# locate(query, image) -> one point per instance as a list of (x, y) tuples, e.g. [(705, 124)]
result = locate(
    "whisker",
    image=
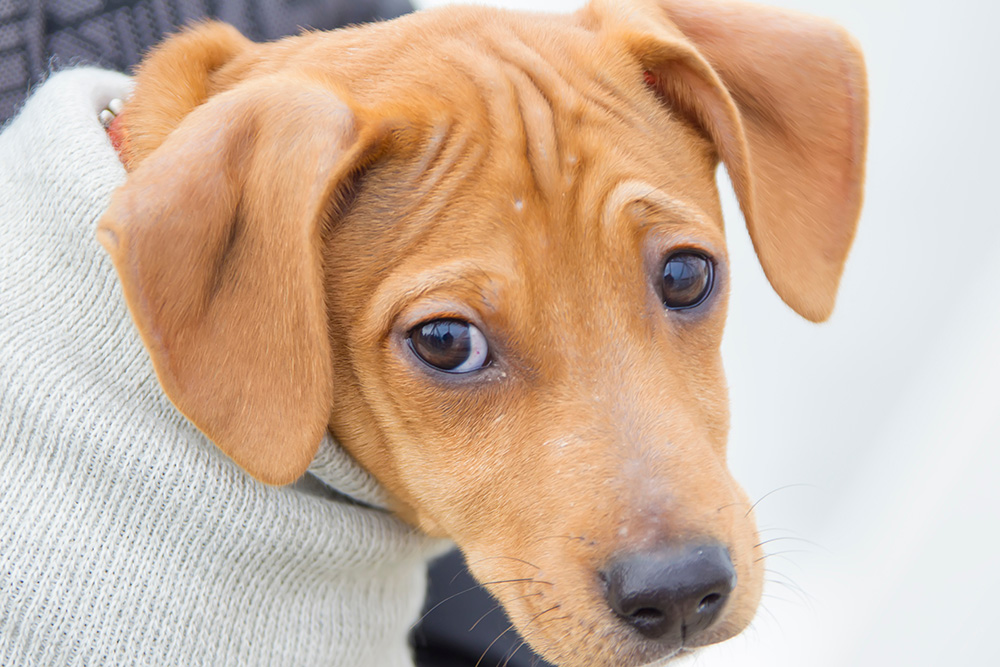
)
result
[(513, 581), (771, 614), (510, 655), (776, 597), (472, 588), (781, 553), (775, 529), (723, 507), (519, 560), (450, 597), (791, 538), (495, 607), (752, 630), (772, 492), (521, 597), (509, 628), (458, 573), (526, 626), (533, 618), (798, 591), (787, 578), (503, 603)]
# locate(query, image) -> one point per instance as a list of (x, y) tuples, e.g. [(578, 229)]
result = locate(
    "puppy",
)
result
[(484, 250)]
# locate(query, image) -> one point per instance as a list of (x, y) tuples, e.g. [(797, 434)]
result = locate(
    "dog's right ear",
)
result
[(174, 78), (784, 99), (217, 240)]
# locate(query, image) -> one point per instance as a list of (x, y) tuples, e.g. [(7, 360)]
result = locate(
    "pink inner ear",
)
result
[(649, 78), (116, 134)]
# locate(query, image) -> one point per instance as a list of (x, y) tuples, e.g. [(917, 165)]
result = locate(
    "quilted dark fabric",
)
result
[(37, 36)]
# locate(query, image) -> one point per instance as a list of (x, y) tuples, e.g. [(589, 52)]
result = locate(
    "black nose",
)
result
[(673, 593)]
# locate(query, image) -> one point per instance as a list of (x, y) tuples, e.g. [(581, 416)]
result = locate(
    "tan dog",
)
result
[(485, 250)]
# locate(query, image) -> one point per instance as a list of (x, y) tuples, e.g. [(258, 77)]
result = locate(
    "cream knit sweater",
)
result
[(126, 537)]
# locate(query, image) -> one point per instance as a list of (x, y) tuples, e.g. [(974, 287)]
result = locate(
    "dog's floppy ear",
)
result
[(784, 98), (216, 237), (175, 77)]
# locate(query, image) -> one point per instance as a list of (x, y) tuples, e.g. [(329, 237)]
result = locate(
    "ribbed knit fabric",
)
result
[(126, 537)]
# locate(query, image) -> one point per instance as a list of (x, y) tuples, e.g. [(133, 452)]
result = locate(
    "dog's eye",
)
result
[(452, 346), (687, 280)]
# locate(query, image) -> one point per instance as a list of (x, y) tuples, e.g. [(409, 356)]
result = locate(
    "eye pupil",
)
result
[(449, 345), (446, 341), (687, 280)]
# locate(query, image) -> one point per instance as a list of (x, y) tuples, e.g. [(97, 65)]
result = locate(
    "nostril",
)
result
[(647, 620), (671, 592), (647, 614), (709, 602)]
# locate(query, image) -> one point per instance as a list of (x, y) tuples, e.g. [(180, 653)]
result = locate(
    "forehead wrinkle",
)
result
[(634, 190), (416, 192), (445, 147), (521, 93), (451, 156), (609, 98), (498, 127), (538, 68), (542, 93), (541, 145), (488, 102)]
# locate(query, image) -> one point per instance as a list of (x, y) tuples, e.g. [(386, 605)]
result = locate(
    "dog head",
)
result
[(485, 250)]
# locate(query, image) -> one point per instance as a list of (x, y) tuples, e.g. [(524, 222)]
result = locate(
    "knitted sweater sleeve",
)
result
[(125, 536)]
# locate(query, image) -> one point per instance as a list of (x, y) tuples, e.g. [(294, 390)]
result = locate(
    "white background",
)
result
[(888, 416)]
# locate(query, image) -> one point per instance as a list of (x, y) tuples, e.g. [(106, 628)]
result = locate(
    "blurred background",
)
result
[(877, 434)]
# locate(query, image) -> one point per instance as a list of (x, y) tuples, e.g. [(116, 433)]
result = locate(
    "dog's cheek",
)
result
[(709, 398)]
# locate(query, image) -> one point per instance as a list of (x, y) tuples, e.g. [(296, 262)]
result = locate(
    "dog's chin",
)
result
[(676, 653), (627, 652), (610, 644), (679, 653), (642, 659)]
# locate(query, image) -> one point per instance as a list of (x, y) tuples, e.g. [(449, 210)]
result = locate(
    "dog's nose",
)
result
[(673, 593)]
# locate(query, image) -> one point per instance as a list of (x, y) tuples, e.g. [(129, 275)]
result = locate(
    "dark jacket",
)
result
[(37, 36)]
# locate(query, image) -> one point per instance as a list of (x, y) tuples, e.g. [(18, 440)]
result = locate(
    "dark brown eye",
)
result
[(687, 280), (452, 346)]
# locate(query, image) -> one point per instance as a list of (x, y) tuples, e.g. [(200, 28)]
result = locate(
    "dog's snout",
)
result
[(673, 593)]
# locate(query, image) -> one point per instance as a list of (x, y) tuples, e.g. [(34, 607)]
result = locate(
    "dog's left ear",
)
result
[(217, 239), (783, 96)]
